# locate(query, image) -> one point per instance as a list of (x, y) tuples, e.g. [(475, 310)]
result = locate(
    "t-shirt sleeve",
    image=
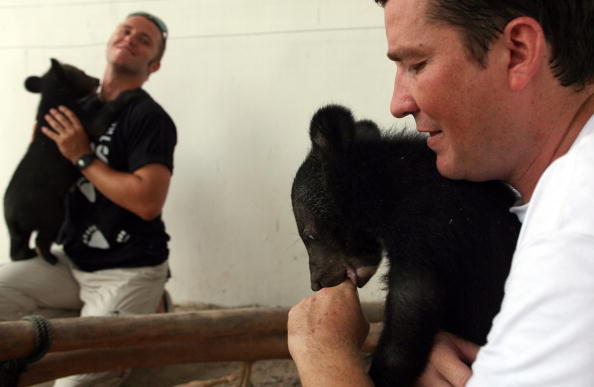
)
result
[(152, 139)]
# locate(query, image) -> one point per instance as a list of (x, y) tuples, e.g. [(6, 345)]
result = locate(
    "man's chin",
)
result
[(124, 67), (457, 171), (447, 168)]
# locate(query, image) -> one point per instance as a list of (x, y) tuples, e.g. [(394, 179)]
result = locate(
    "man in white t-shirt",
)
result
[(505, 91)]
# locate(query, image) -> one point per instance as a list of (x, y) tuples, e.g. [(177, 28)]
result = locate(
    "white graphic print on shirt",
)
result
[(102, 150), (93, 237)]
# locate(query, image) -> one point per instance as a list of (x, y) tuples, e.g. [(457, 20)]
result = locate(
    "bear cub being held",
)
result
[(34, 198), (360, 194)]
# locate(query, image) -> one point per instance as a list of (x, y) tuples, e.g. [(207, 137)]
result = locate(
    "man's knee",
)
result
[(14, 304)]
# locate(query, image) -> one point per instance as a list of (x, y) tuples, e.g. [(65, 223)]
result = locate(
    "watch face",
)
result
[(84, 161)]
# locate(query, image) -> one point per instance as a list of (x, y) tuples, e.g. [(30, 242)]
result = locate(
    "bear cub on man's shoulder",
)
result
[(449, 243)]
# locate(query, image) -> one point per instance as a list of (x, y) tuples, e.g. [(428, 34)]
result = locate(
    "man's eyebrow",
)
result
[(397, 55), (144, 34)]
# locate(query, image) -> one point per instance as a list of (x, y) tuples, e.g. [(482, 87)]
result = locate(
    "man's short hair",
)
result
[(162, 28), (568, 26)]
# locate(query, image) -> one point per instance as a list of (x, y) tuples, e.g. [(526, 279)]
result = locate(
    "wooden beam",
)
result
[(95, 344), (238, 348), (16, 337), (59, 364)]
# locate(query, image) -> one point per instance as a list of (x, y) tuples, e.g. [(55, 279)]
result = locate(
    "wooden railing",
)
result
[(94, 344)]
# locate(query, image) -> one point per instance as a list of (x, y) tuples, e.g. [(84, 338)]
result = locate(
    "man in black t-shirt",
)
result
[(114, 258), (99, 234)]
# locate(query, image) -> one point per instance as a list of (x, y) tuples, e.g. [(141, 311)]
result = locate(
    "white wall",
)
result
[(241, 79)]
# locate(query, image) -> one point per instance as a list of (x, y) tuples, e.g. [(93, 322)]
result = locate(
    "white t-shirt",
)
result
[(544, 334)]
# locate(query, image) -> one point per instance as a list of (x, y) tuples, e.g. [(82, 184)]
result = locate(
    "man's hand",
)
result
[(142, 192), (449, 362), (68, 133), (325, 333)]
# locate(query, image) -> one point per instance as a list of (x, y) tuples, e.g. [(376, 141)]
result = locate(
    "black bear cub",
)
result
[(360, 194), (35, 194), (34, 198)]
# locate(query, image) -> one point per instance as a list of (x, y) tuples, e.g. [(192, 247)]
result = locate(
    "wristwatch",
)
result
[(85, 160)]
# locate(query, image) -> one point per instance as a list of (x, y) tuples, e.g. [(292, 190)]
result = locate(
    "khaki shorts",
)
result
[(36, 287)]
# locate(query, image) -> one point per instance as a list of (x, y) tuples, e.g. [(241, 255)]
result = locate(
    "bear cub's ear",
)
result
[(57, 69), (33, 84), (332, 130), (367, 130)]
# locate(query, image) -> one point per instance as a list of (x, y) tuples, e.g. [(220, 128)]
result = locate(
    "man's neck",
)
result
[(559, 145), (583, 114), (115, 82)]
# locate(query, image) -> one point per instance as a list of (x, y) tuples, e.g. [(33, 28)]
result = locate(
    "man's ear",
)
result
[(525, 41), (154, 66)]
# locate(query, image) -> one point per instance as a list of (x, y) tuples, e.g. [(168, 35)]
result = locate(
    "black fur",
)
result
[(34, 198), (449, 243)]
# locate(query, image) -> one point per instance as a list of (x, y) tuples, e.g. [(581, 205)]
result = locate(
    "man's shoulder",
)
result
[(144, 101), (144, 107)]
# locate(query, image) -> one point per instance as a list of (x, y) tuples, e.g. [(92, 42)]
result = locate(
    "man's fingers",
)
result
[(347, 283), (344, 286), (451, 356), (456, 372), (432, 378), (57, 117), (54, 123), (50, 133), (466, 350), (70, 116)]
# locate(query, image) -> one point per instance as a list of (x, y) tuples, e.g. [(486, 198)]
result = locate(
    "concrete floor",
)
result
[(264, 373), (281, 373)]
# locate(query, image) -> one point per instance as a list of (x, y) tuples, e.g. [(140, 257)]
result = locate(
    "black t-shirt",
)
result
[(98, 234)]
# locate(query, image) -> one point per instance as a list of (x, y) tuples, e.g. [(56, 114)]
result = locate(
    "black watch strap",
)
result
[(84, 161)]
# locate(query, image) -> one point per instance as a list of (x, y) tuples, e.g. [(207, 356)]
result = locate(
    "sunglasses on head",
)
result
[(158, 22)]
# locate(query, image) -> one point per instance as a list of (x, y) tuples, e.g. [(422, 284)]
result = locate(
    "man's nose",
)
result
[(131, 39), (403, 102)]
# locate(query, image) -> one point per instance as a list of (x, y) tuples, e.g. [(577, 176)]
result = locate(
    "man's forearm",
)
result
[(142, 192)]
